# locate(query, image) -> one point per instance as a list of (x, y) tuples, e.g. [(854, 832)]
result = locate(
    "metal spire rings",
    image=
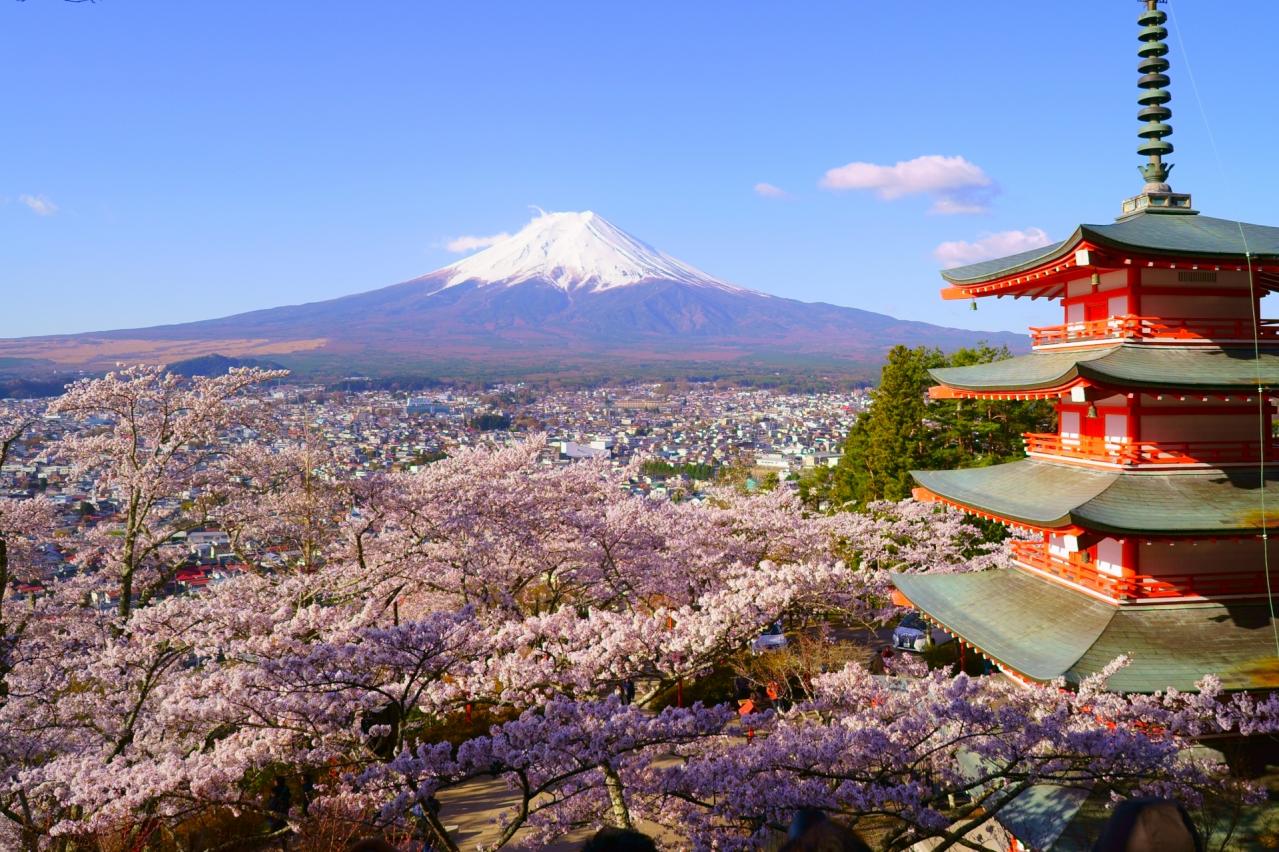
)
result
[(1154, 95)]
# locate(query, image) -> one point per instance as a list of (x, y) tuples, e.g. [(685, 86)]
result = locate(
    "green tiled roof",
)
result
[(1045, 494), (1123, 365), (1043, 817), (1046, 631), (1148, 233), (1063, 819), (1036, 493), (977, 272), (1014, 618)]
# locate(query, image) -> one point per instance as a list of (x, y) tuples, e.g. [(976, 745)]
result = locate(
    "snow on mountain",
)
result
[(570, 288), (576, 252)]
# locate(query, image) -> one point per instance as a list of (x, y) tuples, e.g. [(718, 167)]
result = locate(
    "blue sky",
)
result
[(168, 161)]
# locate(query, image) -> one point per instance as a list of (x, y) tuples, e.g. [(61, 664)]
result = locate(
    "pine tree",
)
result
[(905, 431)]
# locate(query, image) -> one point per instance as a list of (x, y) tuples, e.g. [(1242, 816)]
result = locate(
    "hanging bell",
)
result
[(973, 304)]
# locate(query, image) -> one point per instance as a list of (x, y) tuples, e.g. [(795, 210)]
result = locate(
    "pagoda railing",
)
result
[(1133, 327), (1077, 569), (1148, 453)]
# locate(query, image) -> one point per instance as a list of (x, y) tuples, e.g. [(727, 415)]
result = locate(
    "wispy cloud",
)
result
[(950, 205), (39, 205), (955, 184), (1001, 244), (767, 190), (471, 243)]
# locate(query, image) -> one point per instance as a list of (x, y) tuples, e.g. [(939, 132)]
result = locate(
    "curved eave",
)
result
[(1065, 498), (1152, 239), (1039, 372), (1040, 498), (1024, 624), (1042, 631), (1054, 392), (949, 377), (925, 495), (1159, 368), (1014, 264)]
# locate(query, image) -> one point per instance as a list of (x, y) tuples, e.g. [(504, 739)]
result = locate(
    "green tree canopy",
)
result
[(904, 430)]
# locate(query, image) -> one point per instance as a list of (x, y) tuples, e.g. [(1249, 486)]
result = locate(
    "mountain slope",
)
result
[(568, 286)]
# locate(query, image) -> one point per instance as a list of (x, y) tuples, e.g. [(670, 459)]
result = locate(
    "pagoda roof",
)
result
[(1144, 234), (1045, 631), (1048, 495), (1169, 368)]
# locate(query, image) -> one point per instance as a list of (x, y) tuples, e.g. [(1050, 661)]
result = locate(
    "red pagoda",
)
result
[(1151, 503)]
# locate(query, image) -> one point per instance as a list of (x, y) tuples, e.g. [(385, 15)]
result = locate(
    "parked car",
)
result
[(913, 634), (772, 639)]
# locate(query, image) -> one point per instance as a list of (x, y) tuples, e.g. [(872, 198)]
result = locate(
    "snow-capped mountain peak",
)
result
[(575, 251)]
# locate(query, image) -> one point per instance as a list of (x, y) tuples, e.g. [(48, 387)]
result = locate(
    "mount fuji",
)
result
[(568, 291)]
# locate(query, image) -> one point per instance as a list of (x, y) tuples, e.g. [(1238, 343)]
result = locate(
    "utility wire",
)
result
[(1263, 421)]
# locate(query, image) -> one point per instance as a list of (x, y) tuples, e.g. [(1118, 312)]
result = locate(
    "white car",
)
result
[(913, 634), (772, 639)]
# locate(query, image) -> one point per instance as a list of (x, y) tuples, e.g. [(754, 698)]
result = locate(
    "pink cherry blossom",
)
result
[(537, 595)]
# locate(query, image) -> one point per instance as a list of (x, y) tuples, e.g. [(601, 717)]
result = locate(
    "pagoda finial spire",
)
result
[(1157, 195), (1154, 96)]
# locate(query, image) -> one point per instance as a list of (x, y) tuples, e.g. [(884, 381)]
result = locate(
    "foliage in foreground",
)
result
[(532, 595)]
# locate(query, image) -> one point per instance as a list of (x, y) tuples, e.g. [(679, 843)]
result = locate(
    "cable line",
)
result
[(1263, 421)]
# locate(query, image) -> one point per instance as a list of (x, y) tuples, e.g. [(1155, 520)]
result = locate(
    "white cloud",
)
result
[(948, 205), (1002, 244), (39, 205), (954, 184), (767, 190), (471, 243)]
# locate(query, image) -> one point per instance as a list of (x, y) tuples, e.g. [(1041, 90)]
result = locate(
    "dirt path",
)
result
[(471, 812)]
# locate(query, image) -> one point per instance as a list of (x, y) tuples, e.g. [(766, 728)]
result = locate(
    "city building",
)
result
[(1151, 504), (424, 405)]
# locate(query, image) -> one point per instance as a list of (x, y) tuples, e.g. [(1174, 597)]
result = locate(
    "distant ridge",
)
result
[(569, 292), (217, 365)]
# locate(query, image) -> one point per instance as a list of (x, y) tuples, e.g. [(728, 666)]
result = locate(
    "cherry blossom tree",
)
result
[(939, 757), (81, 687), (24, 525), (544, 598), (160, 453), (294, 496)]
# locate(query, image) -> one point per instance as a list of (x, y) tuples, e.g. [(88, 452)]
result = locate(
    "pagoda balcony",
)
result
[(1152, 454), (1130, 327), (1077, 571)]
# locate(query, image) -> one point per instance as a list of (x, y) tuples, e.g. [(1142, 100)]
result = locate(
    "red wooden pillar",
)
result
[(1130, 555)]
